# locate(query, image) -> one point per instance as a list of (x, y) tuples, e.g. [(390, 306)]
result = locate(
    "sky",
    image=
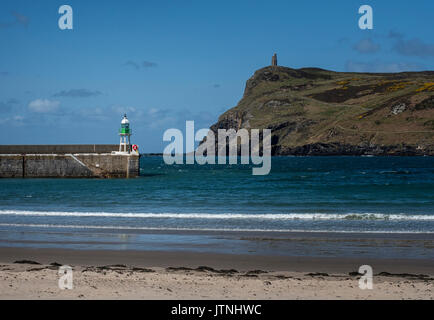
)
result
[(164, 62)]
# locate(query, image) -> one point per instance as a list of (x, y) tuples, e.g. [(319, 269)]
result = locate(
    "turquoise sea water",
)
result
[(325, 194)]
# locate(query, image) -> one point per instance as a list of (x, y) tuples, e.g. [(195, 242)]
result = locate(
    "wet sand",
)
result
[(27, 273)]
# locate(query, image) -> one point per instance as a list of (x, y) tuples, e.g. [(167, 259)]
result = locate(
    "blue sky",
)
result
[(164, 62)]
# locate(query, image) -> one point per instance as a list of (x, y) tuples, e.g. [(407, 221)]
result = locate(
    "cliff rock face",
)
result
[(319, 112)]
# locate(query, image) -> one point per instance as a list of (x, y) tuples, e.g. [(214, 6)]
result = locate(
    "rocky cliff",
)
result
[(318, 112)]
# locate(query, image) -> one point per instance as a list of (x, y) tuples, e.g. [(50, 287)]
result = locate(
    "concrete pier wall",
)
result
[(11, 166), (58, 148), (68, 165)]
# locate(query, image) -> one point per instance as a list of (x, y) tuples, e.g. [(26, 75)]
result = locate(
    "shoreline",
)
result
[(243, 262), (317, 155), (105, 274), (265, 244)]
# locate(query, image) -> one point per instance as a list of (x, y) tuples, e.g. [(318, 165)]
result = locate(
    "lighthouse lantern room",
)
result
[(125, 133)]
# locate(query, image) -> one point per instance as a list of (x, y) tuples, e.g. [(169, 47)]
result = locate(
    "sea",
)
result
[(224, 208)]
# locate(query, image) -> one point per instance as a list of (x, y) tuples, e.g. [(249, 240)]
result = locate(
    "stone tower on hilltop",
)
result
[(274, 60)]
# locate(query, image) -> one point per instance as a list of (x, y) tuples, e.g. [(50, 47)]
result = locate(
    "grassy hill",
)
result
[(318, 112)]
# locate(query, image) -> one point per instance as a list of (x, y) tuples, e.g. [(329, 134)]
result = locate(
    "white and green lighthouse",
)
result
[(125, 133)]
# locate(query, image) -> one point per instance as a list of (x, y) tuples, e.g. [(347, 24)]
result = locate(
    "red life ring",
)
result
[(135, 147)]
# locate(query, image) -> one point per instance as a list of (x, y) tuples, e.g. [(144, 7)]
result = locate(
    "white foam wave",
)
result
[(207, 229), (226, 216)]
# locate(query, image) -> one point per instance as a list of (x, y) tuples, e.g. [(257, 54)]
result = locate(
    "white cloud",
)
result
[(367, 46), (14, 120), (153, 111), (123, 109), (414, 47), (43, 105), (381, 66)]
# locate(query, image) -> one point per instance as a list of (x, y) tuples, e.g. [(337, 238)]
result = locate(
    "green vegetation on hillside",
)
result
[(315, 111)]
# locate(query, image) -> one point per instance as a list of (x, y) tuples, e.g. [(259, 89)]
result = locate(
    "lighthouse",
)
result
[(125, 133)]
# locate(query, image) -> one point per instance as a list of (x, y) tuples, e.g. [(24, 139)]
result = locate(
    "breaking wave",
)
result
[(227, 216)]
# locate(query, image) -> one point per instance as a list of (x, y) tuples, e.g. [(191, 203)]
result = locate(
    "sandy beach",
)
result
[(33, 274)]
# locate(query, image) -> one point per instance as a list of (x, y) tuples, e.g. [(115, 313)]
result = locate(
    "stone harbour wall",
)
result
[(69, 165)]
